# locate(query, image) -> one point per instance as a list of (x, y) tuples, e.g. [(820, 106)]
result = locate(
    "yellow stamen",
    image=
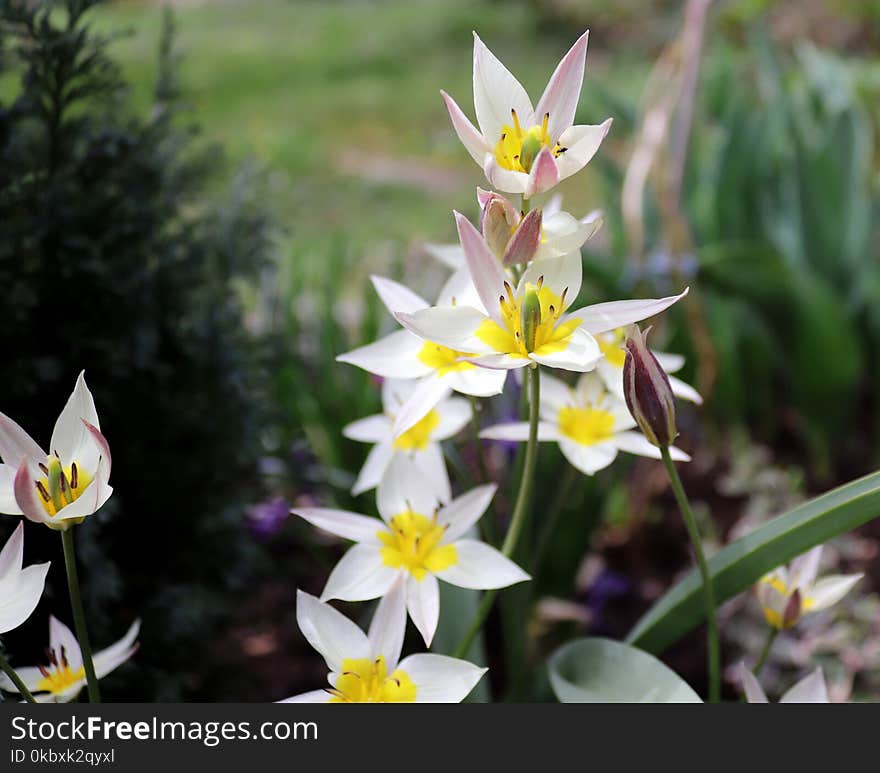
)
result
[(367, 681), (611, 345), (417, 437), (443, 359), (413, 542), (509, 148), (587, 425), (59, 679), (60, 486)]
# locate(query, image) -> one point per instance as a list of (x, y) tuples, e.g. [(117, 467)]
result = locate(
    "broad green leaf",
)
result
[(598, 670), (740, 564)]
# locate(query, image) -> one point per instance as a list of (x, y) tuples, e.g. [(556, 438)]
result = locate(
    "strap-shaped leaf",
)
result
[(597, 670), (742, 563)]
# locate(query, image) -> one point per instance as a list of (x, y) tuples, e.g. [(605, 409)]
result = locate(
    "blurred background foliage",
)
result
[(193, 218)]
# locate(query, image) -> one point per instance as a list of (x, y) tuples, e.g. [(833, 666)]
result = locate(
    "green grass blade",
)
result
[(741, 563)]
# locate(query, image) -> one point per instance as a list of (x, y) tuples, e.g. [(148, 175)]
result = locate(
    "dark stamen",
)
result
[(74, 475), (43, 493), (43, 468)]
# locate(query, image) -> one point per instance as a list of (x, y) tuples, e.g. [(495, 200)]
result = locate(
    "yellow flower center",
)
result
[(443, 359), (549, 335), (611, 344), (59, 678), (417, 437), (367, 681), (586, 426), (412, 541), (60, 486), (775, 617), (517, 148)]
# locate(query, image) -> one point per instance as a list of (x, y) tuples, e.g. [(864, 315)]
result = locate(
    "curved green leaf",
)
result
[(742, 563), (605, 671)]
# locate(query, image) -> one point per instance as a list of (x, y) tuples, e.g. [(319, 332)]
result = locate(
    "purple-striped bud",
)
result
[(647, 391)]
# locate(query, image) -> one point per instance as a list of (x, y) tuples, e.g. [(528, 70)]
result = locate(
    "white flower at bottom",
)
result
[(416, 541), (810, 689), (62, 679), (365, 668), (788, 593), (20, 589), (590, 424), (421, 442)]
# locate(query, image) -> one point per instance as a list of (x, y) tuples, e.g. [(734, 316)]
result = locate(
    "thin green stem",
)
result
[(16, 680), (488, 521), (79, 615), (708, 591), (520, 510), (765, 653)]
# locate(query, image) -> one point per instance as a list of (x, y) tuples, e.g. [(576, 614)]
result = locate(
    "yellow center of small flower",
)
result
[(412, 541), (611, 344), (60, 486), (545, 334), (517, 148), (586, 426), (59, 679), (417, 437), (775, 617), (367, 681), (443, 359)]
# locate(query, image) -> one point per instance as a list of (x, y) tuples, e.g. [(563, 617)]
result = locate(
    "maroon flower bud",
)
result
[(647, 391), (524, 243)]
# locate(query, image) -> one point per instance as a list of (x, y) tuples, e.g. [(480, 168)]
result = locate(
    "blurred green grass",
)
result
[(340, 103)]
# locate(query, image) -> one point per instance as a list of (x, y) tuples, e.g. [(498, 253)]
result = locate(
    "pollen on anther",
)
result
[(43, 493)]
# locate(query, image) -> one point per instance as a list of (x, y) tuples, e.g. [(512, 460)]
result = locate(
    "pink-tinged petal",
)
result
[(12, 555), (805, 568), (454, 327), (394, 356), (103, 447), (71, 434), (752, 688), (464, 511), (486, 270), (471, 138), (62, 638), (581, 144), (581, 353), (26, 495), (429, 392), (563, 91), (351, 526), (441, 679), (360, 575), (423, 604), (603, 317), (89, 501), (371, 429), (588, 459), (396, 296), (524, 243), (481, 567), (811, 689), (18, 607), (506, 180), (15, 443), (333, 636), (497, 361), (388, 625), (543, 175), (496, 93)]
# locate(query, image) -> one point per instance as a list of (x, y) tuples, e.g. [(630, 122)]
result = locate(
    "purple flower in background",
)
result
[(266, 518), (607, 586)]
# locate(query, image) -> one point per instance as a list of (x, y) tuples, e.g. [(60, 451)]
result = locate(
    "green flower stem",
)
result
[(768, 645), (520, 510), (708, 591), (79, 615), (16, 680), (488, 521)]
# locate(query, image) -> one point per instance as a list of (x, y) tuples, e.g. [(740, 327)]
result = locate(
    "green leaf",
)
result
[(605, 671), (740, 564)]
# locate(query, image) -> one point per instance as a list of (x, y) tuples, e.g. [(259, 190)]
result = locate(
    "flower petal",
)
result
[(450, 255), (429, 392), (581, 143), (394, 356), (455, 414), (471, 138), (441, 679), (62, 638), (374, 468), (360, 575), (602, 317), (503, 362), (403, 487), (389, 624), (588, 459), (26, 496), (313, 696), (518, 431), (810, 689), (459, 289), (116, 654), (485, 269), (330, 633), (753, 690), (454, 327), (70, 434), (351, 526), (543, 175), (555, 393), (464, 511), (481, 567), (804, 568), (637, 443), (580, 352), (830, 590), (17, 606), (479, 382), (507, 180), (684, 391), (560, 97), (371, 429), (561, 274), (16, 444), (396, 296), (8, 505), (12, 555), (423, 603), (432, 474), (496, 93)]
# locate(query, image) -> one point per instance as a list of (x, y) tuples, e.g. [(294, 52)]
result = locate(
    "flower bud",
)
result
[(647, 391), (531, 316), (524, 244), (499, 219)]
